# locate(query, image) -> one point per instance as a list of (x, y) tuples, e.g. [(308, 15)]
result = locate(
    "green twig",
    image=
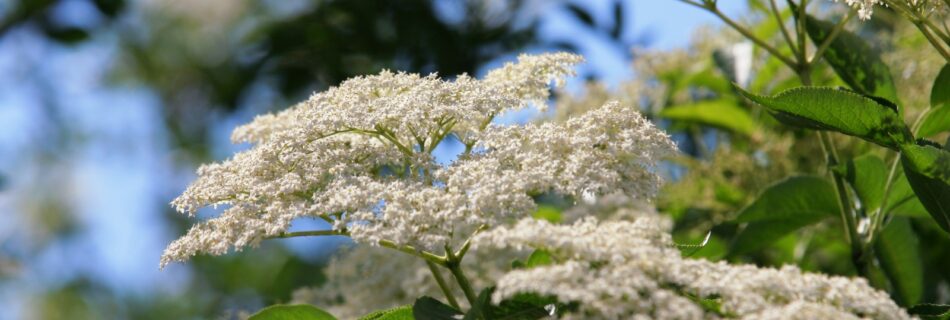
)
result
[(454, 264), (443, 285)]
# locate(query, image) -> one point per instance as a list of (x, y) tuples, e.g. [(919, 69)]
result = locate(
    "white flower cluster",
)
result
[(363, 279), (631, 270), (866, 7), (359, 157)]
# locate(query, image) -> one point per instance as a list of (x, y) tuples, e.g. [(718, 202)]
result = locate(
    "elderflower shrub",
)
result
[(359, 156), (630, 269)]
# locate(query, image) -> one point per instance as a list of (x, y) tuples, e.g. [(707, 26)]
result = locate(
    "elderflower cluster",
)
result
[(359, 156), (363, 279), (866, 7), (631, 270)]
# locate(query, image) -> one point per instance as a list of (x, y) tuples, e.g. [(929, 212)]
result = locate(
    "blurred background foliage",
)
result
[(208, 65)]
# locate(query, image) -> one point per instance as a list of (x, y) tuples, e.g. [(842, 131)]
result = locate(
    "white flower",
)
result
[(359, 157), (630, 269)]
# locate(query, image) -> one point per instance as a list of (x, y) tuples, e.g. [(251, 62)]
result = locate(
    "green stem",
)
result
[(427, 256), (745, 32), (781, 25), (443, 285), (800, 30), (454, 264)]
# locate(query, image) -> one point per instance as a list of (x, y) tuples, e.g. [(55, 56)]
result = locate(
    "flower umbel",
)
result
[(359, 157)]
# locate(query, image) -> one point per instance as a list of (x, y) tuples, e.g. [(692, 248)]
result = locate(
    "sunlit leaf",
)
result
[(838, 110), (782, 208), (720, 113), (397, 313), (291, 312)]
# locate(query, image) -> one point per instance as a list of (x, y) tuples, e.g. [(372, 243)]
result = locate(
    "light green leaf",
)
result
[(291, 312), (838, 110), (898, 251), (720, 113), (867, 174), (538, 258), (854, 60), (550, 213), (782, 208), (397, 313), (793, 197)]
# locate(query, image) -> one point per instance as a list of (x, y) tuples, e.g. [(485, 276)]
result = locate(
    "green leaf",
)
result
[(538, 258), (838, 110), (793, 197), (935, 121), (720, 113), (510, 309), (291, 312), (853, 60), (898, 251), (928, 170), (397, 313), (928, 159), (550, 213), (931, 311), (938, 119), (782, 208), (940, 92), (902, 201), (427, 308), (867, 174)]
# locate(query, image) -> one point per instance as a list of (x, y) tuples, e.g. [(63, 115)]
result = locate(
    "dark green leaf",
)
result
[(930, 310), (853, 60), (581, 14), (538, 258), (70, 35), (291, 312), (938, 119), (720, 113), (867, 174), (397, 313), (898, 251), (927, 169), (839, 110), (782, 208), (940, 92), (516, 308), (427, 308)]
